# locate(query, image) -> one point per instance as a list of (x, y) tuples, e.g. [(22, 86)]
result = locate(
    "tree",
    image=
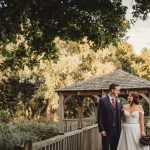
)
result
[(142, 67), (125, 57), (76, 62), (31, 26), (17, 97), (141, 9)]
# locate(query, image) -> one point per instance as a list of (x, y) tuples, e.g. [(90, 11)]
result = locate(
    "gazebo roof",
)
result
[(124, 79)]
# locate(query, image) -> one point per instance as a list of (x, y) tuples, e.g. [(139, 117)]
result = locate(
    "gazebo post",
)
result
[(80, 112), (149, 101), (103, 93), (61, 114), (96, 104)]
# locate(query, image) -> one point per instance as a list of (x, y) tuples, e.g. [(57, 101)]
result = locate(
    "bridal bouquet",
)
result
[(145, 140)]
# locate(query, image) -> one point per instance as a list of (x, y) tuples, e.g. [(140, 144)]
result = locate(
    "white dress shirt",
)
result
[(110, 98)]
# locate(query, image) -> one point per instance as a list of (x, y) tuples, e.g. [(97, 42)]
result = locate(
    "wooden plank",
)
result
[(80, 113), (59, 145), (28, 145), (56, 145), (76, 138), (71, 142), (149, 101), (61, 113), (84, 93), (66, 139), (53, 147), (68, 143)]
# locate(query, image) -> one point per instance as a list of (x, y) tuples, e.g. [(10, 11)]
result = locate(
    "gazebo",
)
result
[(98, 87)]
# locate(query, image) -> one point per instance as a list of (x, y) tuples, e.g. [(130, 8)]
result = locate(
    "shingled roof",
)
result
[(124, 79)]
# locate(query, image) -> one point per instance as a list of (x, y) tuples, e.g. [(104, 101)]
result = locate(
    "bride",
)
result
[(133, 127)]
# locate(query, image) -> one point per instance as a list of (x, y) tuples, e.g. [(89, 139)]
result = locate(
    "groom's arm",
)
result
[(100, 115)]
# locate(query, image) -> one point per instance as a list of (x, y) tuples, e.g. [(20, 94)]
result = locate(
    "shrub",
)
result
[(16, 134), (4, 116)]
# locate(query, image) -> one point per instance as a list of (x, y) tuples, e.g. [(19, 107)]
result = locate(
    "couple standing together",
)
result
[(110, 112)]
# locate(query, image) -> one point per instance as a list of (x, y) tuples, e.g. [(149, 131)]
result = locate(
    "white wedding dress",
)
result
[(130, 133)]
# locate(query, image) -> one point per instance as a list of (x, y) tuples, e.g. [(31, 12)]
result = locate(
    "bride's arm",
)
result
[(141, 120)]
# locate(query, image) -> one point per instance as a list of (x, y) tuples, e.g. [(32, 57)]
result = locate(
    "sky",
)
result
[(139, 34)]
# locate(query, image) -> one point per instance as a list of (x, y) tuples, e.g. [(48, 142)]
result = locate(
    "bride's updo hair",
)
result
[(135, 96)]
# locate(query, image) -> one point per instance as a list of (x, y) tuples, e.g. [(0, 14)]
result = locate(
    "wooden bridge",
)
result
[(86, 138), (82, 133)]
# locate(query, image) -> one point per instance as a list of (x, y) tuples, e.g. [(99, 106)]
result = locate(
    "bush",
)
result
[(4, 116), (16, 134)]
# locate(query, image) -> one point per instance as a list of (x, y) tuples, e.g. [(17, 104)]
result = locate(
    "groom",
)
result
[(109, 121)]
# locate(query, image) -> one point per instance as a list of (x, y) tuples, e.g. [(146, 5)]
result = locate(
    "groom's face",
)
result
[(116, 91)]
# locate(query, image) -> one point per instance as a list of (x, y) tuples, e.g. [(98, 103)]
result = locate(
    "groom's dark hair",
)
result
[(113, 86)]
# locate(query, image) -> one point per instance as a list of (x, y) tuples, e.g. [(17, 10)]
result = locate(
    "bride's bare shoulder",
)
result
[(141, 110), (140, 107)]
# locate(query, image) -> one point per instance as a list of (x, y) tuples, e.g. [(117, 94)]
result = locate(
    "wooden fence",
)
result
[(87, 138), (74, 124)]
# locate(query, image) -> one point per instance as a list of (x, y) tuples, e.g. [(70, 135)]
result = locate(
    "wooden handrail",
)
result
[(86, 138)]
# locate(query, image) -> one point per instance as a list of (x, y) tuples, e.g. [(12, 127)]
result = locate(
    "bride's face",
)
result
[(130, 98)]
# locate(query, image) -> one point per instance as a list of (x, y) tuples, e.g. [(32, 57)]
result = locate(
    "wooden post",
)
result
[(96, 105), (149, 101), (61, 114), (80, 111), (28, 145), (103, 93), (18, 148)]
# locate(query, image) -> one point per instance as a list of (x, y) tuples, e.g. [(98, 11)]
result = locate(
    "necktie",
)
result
[(113, 102)]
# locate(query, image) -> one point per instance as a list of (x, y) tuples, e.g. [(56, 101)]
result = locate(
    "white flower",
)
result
[(118, 100)]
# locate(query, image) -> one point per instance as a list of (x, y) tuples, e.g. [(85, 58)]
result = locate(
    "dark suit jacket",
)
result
[(105, 115)]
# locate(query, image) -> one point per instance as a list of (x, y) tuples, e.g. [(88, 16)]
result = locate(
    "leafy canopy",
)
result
[(32, 25), (28, 28)]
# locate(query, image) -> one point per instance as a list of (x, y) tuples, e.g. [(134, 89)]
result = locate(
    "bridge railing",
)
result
[(86, 138), (75, 124)]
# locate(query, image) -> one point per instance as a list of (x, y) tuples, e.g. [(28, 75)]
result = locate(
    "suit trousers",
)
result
[(110, 140)]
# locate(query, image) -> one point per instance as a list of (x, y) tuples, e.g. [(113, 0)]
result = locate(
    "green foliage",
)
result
[(141, 9), (89, 107), (123, 100), (30, 93), (142, 67), (125, 57), (29, 28), (4, 116), (72, 107), (145, 105), (16, 134), (17, 95), (32, 26)]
